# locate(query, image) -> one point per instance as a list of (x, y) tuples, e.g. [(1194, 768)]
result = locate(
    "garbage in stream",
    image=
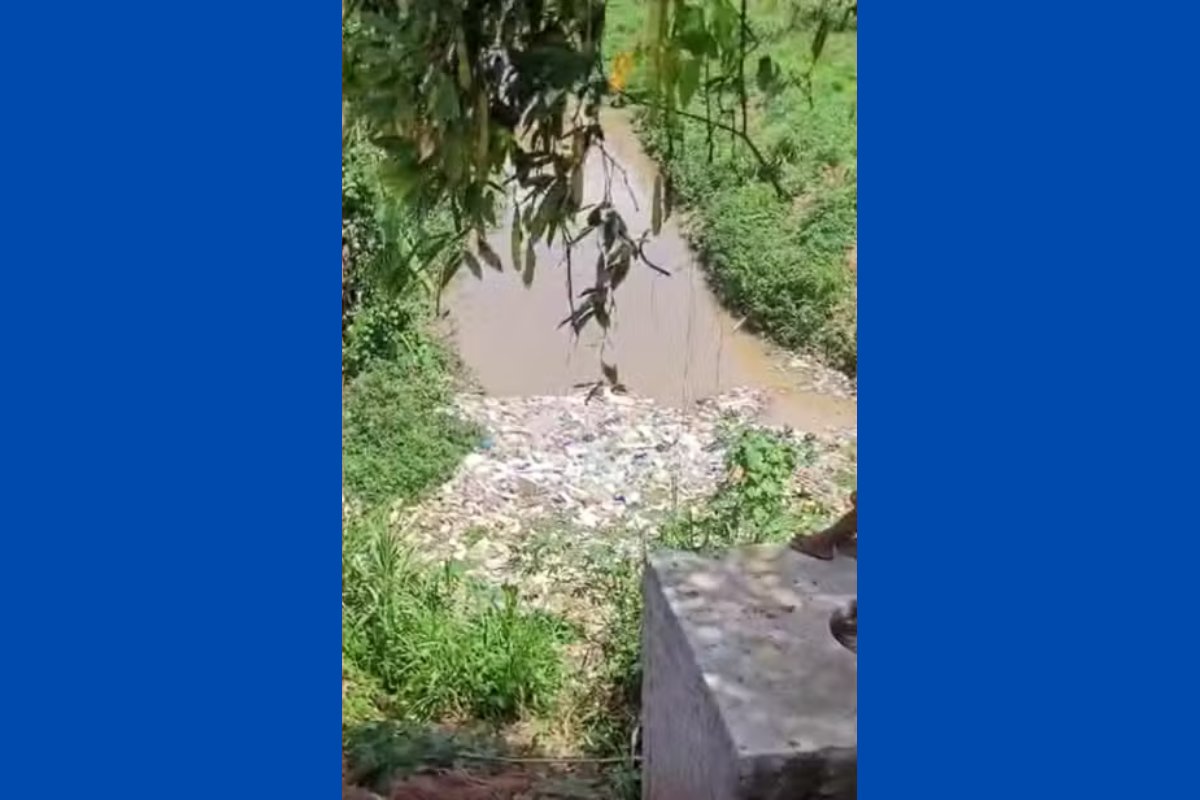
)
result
[(606, 469)]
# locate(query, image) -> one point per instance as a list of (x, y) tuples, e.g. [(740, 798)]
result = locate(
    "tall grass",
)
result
[(419, 643), (432, 645)]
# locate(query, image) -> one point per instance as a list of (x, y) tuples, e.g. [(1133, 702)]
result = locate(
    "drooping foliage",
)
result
[(489, 108)]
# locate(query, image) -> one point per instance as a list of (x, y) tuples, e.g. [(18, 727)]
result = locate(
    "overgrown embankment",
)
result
[(419, 643), (788, 265)]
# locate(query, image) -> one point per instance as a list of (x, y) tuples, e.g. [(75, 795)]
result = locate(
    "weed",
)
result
[(398, 435), (752, 505), (382, 330), (436, 645)]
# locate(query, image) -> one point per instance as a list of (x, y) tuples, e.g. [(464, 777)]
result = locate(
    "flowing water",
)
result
[(670, 338)]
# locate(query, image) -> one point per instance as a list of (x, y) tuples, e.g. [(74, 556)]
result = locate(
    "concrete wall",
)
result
[(746, 694)]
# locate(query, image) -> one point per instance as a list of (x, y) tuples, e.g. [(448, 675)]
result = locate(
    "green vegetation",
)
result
[(398, 435), (476, 103), (753, 505), (434, 646), (419, 643), (755, 125), (781, 261)]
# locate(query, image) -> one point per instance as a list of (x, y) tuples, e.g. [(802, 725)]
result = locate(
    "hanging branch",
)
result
[(767, 168)]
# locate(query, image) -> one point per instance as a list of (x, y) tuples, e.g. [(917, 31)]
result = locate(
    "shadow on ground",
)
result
[(396, 761)]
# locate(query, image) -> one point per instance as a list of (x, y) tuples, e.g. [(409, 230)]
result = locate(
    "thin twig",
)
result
[(732, 130), (624, 176)]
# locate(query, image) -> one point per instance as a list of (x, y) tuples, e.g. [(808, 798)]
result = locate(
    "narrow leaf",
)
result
[(530, 263), (481, 126), (516, 239), (577, 185), (600, 309), (766, 73), (619, 265), (489, 255), (689, 81), (464, 68), (444, 100), (610, 373), (473, 263), (578, 319), (818, 43), (449, 271)]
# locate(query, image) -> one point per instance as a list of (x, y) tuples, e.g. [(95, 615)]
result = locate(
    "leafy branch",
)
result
[(479, 104)]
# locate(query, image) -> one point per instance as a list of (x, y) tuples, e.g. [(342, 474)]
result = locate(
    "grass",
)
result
[(399, 436), (424, 643), (420, 643), (599, 709), (781, 263), (431, 645)]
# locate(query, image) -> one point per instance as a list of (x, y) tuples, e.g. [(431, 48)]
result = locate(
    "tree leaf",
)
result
[(765, 77), (530, 263), (724, 20), (690, 32), (600, 309), (818, 42), (610, 373), (464, 68), (483, 130), (489, 255), (689, 81), (473, 263), (656, 206), (618, 265), (516, 239), (449, 270), (548, 210), (579, 318), (577, 185), (444, 102)]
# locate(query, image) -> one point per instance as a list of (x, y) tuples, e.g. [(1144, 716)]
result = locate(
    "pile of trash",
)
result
[(615, 463)]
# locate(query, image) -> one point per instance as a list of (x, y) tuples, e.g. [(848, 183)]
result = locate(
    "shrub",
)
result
[(381, 330), (751, 506), (399, 436)]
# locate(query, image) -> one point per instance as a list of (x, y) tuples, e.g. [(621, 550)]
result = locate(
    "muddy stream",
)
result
[(670, 339)]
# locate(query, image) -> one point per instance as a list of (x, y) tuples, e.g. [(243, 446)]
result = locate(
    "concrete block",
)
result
[(746, 694)]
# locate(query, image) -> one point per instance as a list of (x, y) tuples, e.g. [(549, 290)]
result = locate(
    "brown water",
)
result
[(670, 338)]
